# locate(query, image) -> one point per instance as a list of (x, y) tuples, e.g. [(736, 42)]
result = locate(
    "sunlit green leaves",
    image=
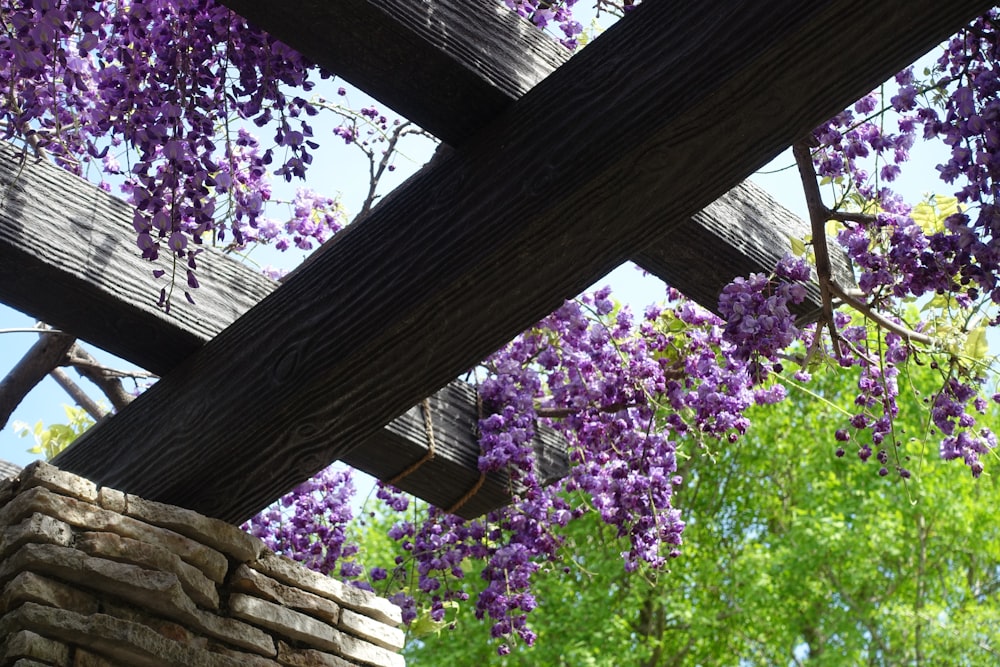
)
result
[(54, 438)]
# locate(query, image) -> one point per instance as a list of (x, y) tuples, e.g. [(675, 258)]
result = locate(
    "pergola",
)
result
[(560, 169)]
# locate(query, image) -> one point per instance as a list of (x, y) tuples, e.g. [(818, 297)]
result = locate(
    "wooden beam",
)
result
[(45, 240), (68, 257), (81, 247), (462, 63), (432, 62), (657, 118), (742, 232)]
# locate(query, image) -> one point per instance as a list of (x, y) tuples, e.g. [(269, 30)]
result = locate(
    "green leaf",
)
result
[(798, 247), (976, 345), (424, 625), (924, 215)]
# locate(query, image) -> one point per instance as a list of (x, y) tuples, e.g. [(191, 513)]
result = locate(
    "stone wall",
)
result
[(95, 577)]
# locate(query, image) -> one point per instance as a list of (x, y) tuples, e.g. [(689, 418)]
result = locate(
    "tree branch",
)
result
[(104, 378), (46, 354), (878, 318), (76, 393), (847, 216), (818, 215)]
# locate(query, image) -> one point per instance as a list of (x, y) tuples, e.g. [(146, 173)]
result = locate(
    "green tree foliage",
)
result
[(788, 560)]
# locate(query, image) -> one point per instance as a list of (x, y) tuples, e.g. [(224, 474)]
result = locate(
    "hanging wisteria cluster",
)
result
[(162, 98), (165, 99)]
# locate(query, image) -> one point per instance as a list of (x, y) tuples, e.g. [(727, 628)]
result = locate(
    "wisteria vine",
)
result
[(165, 99)]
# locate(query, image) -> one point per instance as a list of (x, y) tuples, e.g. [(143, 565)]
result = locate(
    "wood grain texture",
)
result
[(453, 471), (656, 119), (113, 301), (507, 56), (742, 232), (68, 257), (447, 65)]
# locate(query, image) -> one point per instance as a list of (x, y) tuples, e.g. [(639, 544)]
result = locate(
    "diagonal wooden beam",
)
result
[(656, 119), (45, 240), (448, 65), (455, 65), (81, 247)]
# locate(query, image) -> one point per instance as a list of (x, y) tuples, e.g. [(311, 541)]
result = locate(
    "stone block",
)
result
[(289, 572), (27, 644), (119, 641), (247, 580), (150, 556), (35, 528), (377, 633), (289, 656), (111, 499), (284, 621), (366, 653), (219, 535), (159, 592), (40, 473), (91, 517), (31, 587)]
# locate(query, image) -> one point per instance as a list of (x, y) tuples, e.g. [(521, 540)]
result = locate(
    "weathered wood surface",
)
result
[(48, 269), (744, 232), (653, 121), (447, 65), (453, 470), (68, 257), (37, 230)]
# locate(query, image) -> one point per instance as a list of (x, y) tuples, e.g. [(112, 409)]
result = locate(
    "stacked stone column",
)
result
[(95, 577)]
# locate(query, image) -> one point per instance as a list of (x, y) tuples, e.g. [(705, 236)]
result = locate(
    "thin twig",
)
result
[(848, 216), (90, 364), (32, 330), (78, 395), (878, 318), (106, 379)]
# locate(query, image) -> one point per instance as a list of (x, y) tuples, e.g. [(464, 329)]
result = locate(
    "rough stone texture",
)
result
[(248, 580), (375, 632), (284, 621), (219, 535), (111, 499), (8, 488), (27, 644), (161, 592), (369, 654), (90, 517), (52, 478), (30, 587), (289, 572), (129, 643), (176, 632), (307, 657), (82, 658), (115, 547), (36, 528), (98, 578)]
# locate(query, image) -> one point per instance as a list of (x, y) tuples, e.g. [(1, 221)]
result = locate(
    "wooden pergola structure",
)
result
[(560, 170)]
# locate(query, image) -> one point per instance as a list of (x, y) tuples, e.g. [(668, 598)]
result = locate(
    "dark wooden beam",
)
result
[(456, 65), (45, 240), (432, 62), (81, 247), (68, 257), (656, 119)]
